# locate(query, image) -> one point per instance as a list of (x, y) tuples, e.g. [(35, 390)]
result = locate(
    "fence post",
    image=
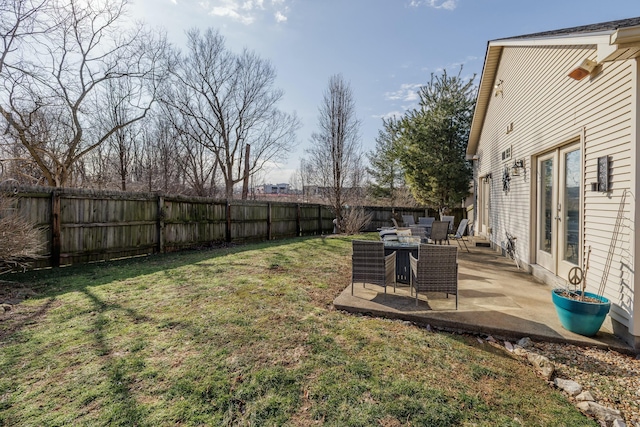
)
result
[(55, 228), (160, 226), (269, 221), (319, 219), (298, 221), (228, 223)]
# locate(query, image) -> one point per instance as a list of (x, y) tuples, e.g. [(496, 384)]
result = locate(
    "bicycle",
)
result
[(511, 248)]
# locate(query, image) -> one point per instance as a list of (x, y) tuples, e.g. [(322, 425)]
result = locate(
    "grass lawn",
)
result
[(245, 336)]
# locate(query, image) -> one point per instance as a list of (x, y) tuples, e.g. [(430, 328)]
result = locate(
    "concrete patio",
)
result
[(495, 298)]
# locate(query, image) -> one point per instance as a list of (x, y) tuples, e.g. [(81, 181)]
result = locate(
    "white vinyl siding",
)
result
[(548, 109)]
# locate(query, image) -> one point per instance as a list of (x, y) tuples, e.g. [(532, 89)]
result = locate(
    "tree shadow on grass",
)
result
[(125, 410), (48, 284), (51, 282)]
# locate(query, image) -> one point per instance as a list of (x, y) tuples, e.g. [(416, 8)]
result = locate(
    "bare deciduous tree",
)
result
[(231, 105), (336, 155), (64, 78), (157, 159)]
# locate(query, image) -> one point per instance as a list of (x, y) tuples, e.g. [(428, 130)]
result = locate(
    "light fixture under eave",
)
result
[(498, 88), (582, 69)]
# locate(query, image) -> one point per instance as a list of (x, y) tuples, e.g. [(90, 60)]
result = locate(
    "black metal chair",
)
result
[(440, 232), (408, 220)]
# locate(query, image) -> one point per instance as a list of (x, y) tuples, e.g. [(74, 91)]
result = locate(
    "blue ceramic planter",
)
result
[(581, 317)]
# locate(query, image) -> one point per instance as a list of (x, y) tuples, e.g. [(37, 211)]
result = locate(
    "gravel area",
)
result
[(612, 378)]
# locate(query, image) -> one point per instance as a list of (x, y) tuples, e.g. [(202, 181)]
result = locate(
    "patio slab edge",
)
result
[(602, 341)]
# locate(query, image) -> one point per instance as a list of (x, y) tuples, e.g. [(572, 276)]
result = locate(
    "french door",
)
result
[(559, 189), (485, 204)]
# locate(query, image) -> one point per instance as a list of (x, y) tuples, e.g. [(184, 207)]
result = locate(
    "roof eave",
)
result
[(606, 42), (487, 82)]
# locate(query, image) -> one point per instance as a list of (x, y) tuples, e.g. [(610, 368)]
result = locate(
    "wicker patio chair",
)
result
[(440, 232), (435, 270), (408, 220), (459, 236), (369, 265)]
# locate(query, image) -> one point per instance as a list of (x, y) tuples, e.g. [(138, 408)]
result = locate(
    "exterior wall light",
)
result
[(582, 69), (518, 165), (498, 88)]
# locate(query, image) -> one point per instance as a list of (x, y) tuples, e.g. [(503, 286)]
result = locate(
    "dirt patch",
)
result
[(578, 297), (14, 315), (12, 293)]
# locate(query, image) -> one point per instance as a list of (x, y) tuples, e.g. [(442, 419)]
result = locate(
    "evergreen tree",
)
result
[(384, 164), (433, 141)]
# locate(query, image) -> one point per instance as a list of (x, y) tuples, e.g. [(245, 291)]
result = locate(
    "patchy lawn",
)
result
[(245, 336)]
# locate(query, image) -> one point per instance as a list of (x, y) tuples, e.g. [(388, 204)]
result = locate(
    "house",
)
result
[(555, 141), (273, 189)]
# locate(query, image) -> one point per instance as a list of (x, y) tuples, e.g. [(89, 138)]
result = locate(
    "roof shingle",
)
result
[(591, 28)]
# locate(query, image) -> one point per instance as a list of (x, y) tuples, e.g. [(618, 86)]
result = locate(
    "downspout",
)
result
[(634, 327)]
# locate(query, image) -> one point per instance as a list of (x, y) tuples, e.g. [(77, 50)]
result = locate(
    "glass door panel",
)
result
[(546, 208), (569, 242), (547, 204)]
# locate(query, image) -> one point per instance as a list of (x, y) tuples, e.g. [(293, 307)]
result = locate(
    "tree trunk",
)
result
[(245, 181)]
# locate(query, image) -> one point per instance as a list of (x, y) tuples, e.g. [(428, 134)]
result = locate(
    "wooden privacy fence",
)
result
[(81, 226)]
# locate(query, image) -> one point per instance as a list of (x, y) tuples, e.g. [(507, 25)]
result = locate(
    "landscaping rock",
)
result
[(5, 307), (542, 364), (525, 342), (602, 413), (618, 423), (520, 351), (509, 346), (585, 396), (570, 387)]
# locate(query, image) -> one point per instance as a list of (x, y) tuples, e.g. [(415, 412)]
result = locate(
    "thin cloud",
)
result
[(408, 92), (390, 115), (280, 17), (247, 11), (436, 4)]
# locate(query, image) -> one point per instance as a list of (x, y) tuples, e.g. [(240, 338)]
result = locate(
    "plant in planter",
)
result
[(579, 311)]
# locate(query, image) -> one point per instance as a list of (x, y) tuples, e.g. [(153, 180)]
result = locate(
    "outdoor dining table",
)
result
[(402, 250)]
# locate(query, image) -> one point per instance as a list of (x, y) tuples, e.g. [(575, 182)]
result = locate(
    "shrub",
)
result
[(20, 240)]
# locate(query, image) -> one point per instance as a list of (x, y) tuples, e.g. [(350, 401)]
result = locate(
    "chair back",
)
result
[(439, 231), (367, 249), (461, 228), (408, 220), (437, 269), (426, 220), (449, 219), (419, 231)]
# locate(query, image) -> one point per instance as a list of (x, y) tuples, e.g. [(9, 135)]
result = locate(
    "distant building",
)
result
[(273, 189)]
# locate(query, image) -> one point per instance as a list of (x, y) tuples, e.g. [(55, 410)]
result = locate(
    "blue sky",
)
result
[(385, 49)]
